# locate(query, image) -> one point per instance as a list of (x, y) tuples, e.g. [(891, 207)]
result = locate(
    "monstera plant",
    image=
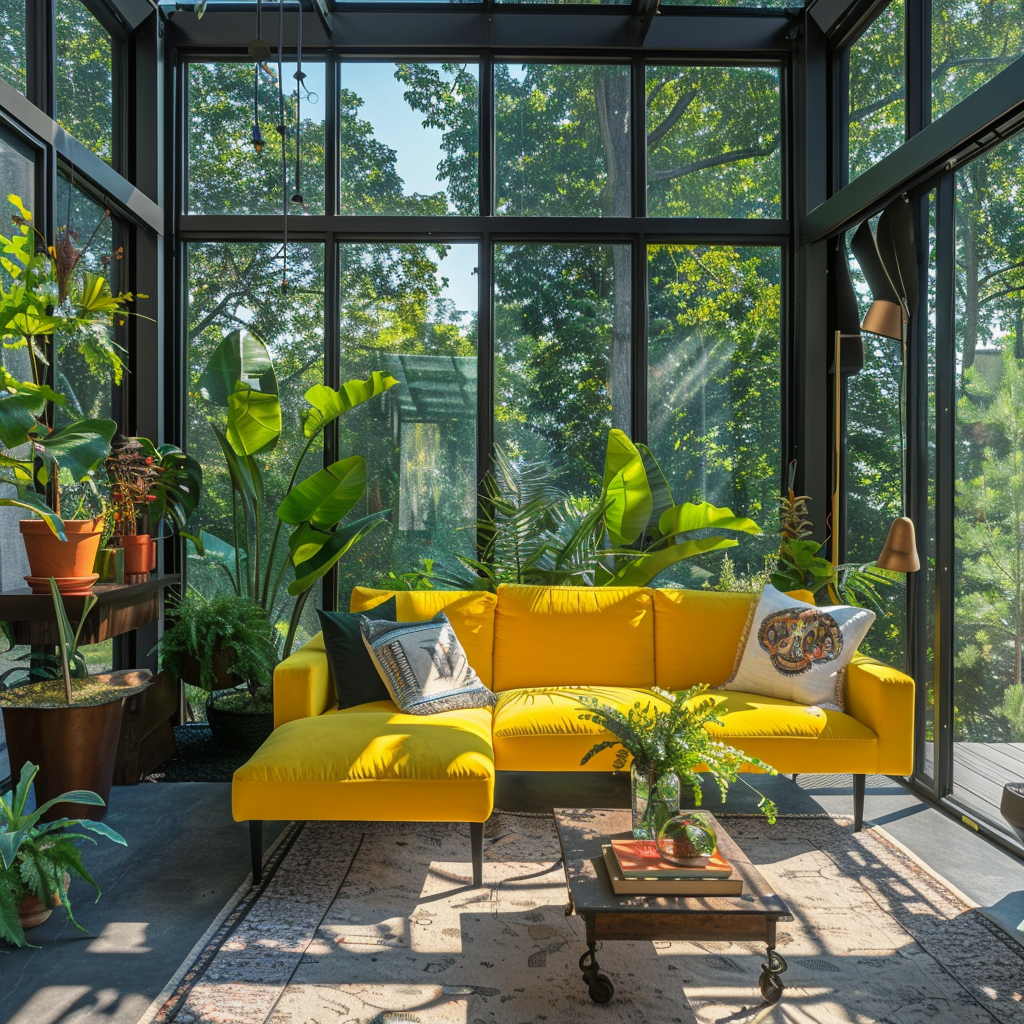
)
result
[(240, 384)]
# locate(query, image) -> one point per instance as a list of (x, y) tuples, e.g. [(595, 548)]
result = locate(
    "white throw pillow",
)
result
[(424, 666), (798, 652)]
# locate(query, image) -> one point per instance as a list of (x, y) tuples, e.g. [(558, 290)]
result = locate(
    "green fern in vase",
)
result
[(669, 734)]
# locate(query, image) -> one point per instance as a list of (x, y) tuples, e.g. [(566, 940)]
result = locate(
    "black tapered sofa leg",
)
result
[(476, 841), (859, 782), (256, 850)]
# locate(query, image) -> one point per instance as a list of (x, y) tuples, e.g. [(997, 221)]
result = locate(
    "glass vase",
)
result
[(655, 801)]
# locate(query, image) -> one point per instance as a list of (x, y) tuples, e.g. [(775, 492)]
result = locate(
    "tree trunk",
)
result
[(611, 91)]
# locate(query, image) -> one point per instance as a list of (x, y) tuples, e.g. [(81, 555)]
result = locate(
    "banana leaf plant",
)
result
[(530, 531), (648, 532), (241, 381)]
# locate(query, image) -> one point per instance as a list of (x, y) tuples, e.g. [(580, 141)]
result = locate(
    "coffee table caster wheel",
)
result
[(601, 989), (771, 988), (770, 983)]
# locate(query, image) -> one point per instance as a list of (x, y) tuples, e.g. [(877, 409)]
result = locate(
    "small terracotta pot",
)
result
[(136, 553), (152, 554), (73, 558)]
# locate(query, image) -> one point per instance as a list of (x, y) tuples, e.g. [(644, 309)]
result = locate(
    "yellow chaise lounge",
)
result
[(538, 648)]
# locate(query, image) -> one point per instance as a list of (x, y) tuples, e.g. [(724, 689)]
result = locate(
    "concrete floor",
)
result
[(186, 857)]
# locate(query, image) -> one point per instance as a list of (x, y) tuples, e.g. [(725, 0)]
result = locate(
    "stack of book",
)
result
[(635, 867)]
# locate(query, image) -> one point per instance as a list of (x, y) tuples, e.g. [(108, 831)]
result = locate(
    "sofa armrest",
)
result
[(882, 698), (302, 684)]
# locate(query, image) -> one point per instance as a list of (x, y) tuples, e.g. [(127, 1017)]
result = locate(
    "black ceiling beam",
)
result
[(120, 194), (974, 125), (324, 13), (839, 19), (665, 230), (645, 10), (734, 35)]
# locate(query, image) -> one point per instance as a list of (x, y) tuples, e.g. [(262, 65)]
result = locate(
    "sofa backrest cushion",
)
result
[(573, 636), (697, 636), (470, 612)]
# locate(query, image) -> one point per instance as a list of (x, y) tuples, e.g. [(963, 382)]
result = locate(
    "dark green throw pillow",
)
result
[(356, 679)]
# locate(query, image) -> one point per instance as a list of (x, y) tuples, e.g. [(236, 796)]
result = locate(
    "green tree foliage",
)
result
[(12, 43), (85, 76), (989, 611)]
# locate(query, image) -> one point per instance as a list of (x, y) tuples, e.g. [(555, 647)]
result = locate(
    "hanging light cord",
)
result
[(283, 130), (299, 78)]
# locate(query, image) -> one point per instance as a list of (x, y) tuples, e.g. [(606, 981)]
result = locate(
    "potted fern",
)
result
[(667, 743), (70, 724), (37, 861), (227, 647)]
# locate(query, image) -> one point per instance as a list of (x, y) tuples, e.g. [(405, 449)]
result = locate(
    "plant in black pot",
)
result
[(226, 647)]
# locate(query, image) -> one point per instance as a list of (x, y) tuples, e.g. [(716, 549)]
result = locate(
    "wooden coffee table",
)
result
[(581, 833)]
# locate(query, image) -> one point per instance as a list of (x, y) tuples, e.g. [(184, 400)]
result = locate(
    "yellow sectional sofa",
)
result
[(538, 648)]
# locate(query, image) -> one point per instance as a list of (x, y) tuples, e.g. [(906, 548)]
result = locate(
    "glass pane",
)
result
[(409, 138), (410, 310), (873, 485), (972, 41), (714, 142), (237, 286), (86, 381), (561, 355), (988, 627), (17, 172), (12, 48), (226, 174), (877, 106), (764, 4), (713, 387), (562, 140), (85, 77)]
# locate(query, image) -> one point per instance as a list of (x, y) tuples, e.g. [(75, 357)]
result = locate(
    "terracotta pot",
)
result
[(64, 559), (75, 748), (152, 554), (136, 553), (32, 912)]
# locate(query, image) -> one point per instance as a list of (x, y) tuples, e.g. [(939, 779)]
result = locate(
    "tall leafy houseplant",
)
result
[(43, 290), (800, 565), (241, 385), (530, 531), (37, 860)]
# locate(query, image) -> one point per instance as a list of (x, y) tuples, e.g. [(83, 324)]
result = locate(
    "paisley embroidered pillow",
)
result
[(424, 666), (796, 651)]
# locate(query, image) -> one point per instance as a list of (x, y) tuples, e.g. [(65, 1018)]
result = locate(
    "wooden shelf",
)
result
[(120, 608)]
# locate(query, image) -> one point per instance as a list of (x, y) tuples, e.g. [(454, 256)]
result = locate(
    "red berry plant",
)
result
[(134, 475)]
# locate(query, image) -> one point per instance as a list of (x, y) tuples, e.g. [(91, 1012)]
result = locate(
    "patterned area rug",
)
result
[(378, 924)]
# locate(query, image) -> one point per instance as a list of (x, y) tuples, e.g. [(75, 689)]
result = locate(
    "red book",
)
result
[(639, 858)]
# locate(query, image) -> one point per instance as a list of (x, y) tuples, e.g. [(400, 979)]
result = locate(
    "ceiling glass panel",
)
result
[(85, 78), (762, 4)]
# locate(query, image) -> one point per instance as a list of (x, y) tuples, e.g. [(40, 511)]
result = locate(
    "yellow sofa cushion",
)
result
[(539, 728), (471, 613), (373, 763), (697, 636), (565, 636)]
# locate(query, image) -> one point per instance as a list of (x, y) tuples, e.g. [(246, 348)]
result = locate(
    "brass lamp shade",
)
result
[(884, 318), (900, 551)]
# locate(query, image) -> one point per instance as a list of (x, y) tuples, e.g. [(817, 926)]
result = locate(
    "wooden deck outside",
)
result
[(980, 770)]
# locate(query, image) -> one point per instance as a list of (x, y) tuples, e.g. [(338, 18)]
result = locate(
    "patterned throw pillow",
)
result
[(423, 666), (796, 651)]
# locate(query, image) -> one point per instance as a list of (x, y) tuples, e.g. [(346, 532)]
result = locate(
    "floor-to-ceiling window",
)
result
[(502, 237)]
